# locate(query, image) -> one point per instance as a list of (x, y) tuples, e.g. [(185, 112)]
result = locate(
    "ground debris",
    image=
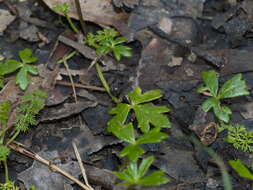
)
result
[(6, 18), (43, 178), (66, 110), (100, 12)]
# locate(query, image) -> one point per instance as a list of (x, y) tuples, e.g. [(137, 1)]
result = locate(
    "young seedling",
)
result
[(135, 175), (146, 115), (234, 87), (239, 137), (27, 110), (241, 169), (64, 9), (107, 41), (23, 66)]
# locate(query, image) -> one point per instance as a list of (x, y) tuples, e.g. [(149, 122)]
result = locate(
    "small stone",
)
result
[(212, 183), (5, 19), (192, 57), (175, 61), (189, 72), (29, 32), (165, 25)]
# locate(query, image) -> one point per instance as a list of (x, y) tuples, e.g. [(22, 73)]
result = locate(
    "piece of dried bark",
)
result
[(97, 11)]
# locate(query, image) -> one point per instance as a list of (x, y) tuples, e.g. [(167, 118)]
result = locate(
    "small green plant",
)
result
[(241, 169), (135, 175), (28, 108), (106, 41), (239, 137), (23, 66), (64, 9), (150, 121), (234, 87), (8, 186)]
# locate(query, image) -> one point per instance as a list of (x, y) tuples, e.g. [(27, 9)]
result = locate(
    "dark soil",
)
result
[(206, 35)]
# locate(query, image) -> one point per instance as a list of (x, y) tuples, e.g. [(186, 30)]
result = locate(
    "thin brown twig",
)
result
[(81, 86), (71, 78), (80, 16), (53, 167), (81, 165)]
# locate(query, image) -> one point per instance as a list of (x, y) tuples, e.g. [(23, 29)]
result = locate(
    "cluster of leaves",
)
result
[(234, 87), (9, 185), (134, 174), (29, 107), (239, 137), (64, 9), (146, 115), (23, 66), (106, 41), (241, 169)]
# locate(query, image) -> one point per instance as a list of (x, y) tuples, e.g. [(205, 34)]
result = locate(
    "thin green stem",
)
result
[(6, 172), (13, 137), (67, 57), (105, 84), (73, 27)]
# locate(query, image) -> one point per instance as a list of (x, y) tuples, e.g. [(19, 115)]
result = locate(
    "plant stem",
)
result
[(6, 172), (105, 84), (67, 57), (70, 77), (72, 24), (13, 137), (80, 16)]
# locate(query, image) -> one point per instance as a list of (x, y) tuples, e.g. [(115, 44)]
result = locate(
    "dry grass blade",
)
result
[(81, 165)]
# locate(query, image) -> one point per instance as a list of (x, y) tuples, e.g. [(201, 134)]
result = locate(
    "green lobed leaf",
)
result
[(26, 56), (202, 89), (211, 81), (119, 40), (133, 152), (132, 170), (234, 87), (119, 51), (32, 69), (209, 104), (103, 50), (121, 112), (116, 54), (22, 78), (223, 113), (154, 179), (153, 136), (125, 133), (144, 166), (9, 66), (136, 97), (241, 170), (124, 176), (149, 114)]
